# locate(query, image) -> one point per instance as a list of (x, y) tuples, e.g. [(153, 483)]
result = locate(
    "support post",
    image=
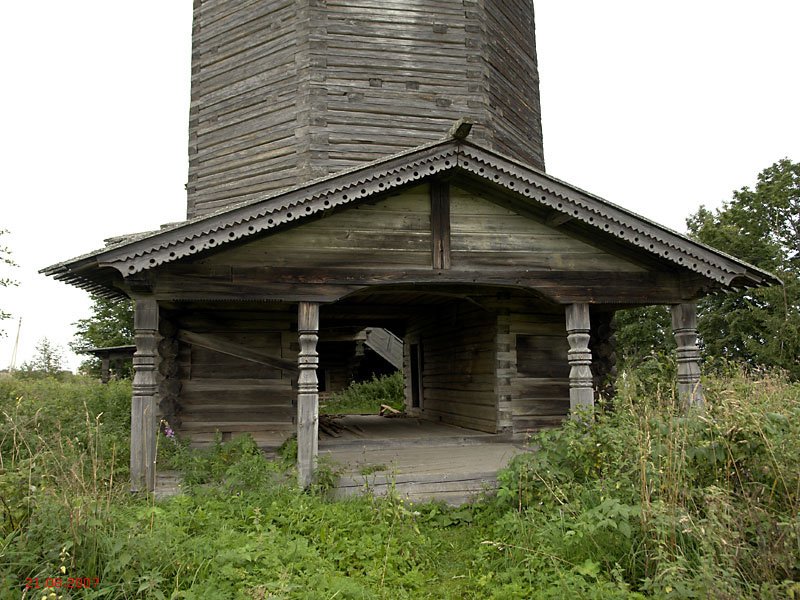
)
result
[(307, 392), (105, 368), (684, 327), (144, 422), (581, 393)]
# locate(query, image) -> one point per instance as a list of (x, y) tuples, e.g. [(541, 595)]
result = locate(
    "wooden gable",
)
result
[(395, 232), (495, 221), (391, 232), (488, 235)]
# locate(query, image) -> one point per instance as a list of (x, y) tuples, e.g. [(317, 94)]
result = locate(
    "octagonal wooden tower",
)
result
[(285, 91)]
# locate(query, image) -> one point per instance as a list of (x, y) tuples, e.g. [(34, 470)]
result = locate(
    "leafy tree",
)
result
[(643, 333), (48, 360), (5, 260), (762, 227), (759, 327), (111, 324)]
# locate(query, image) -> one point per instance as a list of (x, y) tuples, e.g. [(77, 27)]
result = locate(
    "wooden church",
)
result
[(380, 164)]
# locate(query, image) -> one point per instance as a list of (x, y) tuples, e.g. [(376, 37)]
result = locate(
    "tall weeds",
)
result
[(698, 504), (58, 465), (643, 501)]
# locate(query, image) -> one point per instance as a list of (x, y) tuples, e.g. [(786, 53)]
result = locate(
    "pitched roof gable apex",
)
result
[(140, 253)]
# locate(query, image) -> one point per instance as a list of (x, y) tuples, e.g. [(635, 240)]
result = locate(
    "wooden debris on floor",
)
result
[(388, 411), (333, 426)]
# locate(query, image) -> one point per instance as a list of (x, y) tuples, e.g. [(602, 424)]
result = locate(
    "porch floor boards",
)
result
[(420, 460)]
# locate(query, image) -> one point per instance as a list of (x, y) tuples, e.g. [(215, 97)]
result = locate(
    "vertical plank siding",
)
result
[(284, 91)]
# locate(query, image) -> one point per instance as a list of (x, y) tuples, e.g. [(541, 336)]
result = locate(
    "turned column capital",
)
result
[(307, 392), (144, 421), (579, 356), (684, 328)]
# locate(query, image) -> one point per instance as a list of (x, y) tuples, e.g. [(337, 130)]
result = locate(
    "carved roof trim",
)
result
[(139, 253)]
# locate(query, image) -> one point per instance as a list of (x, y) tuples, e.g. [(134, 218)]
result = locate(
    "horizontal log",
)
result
[(234, 426), (533, 424), (487, 425), (217, 344)]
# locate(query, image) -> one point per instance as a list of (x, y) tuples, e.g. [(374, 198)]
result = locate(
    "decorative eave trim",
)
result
[(613, 220), (293, 206), (213, 231)]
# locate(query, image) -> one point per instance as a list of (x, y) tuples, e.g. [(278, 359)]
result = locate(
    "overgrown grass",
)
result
[(699, 505), (644, 502), (366, 398)]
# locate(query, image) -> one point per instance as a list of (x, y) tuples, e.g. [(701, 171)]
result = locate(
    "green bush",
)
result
[(366, 397), (686, 505), (642, 501)]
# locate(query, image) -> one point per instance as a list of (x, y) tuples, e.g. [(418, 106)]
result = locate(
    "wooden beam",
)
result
[(334, 283), (144, 422), (581, 393), (223, 346), (440, 224), (307, 392), (556, 219), (684, 327)]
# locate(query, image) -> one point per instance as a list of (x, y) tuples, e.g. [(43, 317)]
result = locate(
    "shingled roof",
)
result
[(134, 254)]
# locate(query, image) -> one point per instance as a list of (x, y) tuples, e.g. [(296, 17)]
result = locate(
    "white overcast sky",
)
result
[(656, 106)]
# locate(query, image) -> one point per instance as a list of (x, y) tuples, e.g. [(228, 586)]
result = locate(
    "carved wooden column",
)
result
[(581, 393), (684, 327), (307, 392), (144, 422)]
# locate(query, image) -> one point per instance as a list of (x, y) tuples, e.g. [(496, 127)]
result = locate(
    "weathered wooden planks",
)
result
[(225, 385), (237, 350), (457, 345), (394, 233), (486, 235), (390, 240), (284, 91), (537, 369)]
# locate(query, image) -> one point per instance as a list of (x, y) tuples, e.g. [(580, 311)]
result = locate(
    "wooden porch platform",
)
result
[(420, 460)]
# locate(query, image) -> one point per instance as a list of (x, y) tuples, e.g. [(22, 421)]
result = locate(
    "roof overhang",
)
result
[(99, 272)]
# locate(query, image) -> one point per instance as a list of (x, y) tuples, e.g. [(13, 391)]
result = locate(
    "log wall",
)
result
[(224, 393), (537, 367), (243, 114), (513, 97), (284, 91), (458, 366)]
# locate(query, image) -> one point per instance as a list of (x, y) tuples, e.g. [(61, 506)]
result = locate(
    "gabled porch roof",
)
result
[(97, 271)]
